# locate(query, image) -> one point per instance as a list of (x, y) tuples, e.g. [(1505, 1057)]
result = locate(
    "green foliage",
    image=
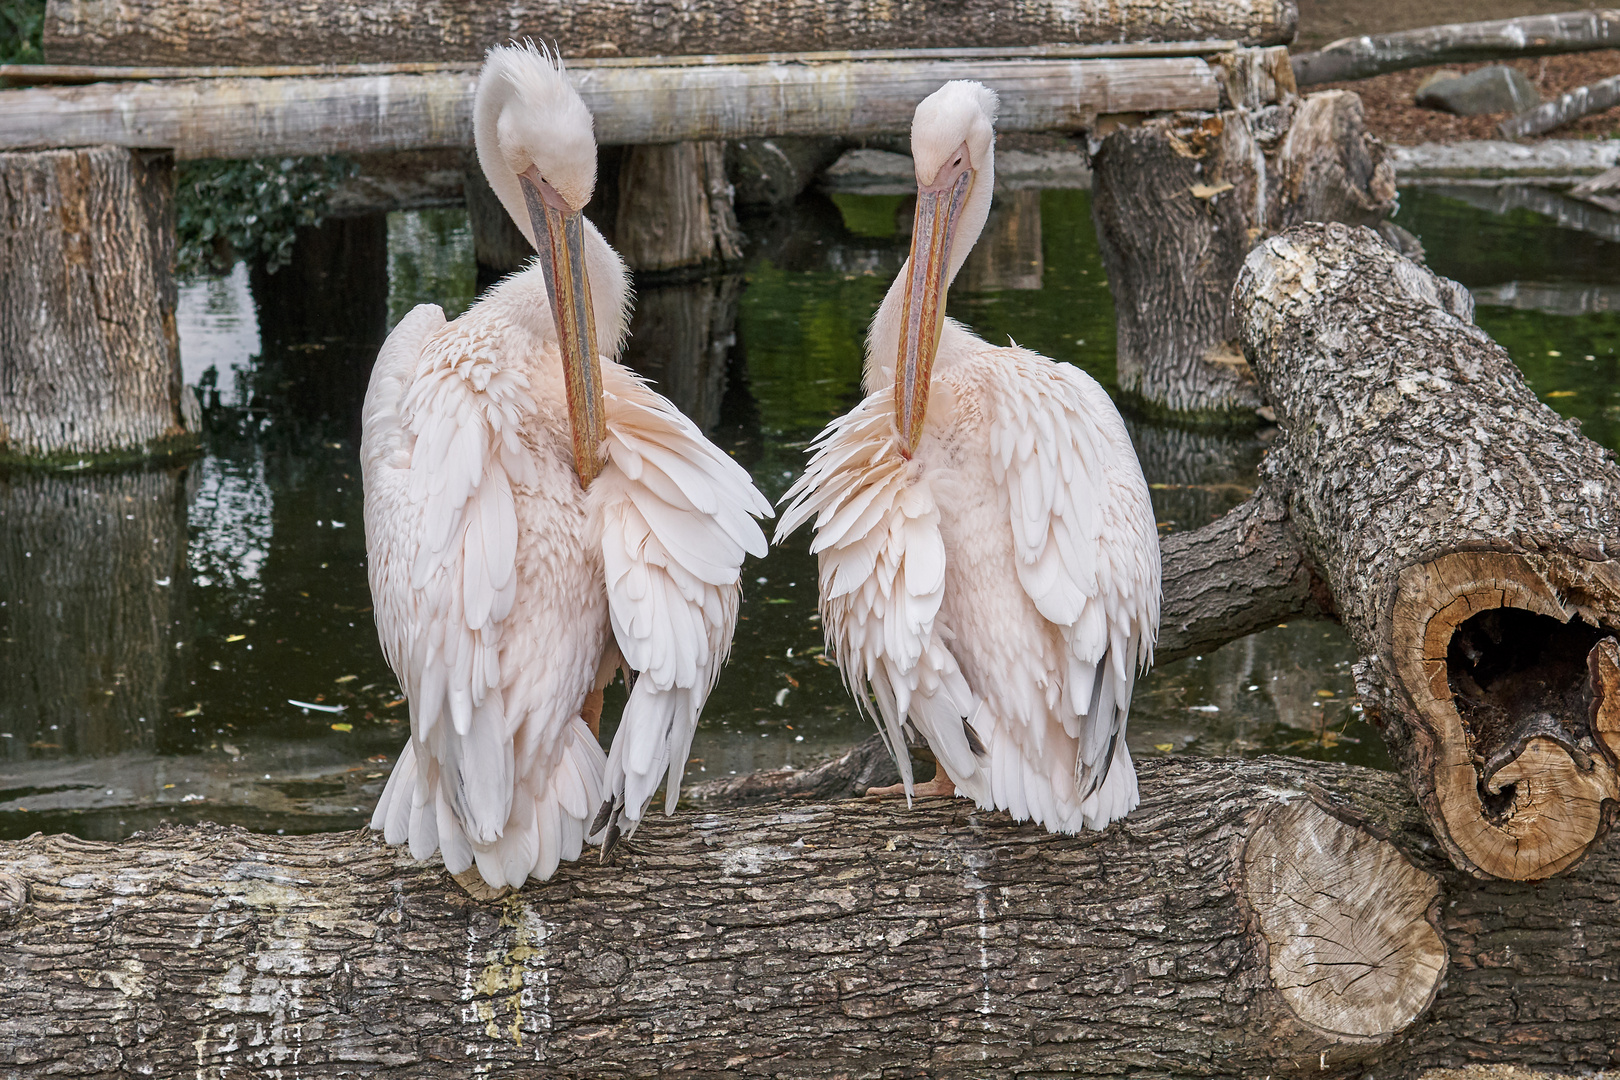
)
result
[(22, 22), (250, 209)]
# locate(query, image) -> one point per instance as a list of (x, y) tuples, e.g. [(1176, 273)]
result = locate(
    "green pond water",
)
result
[(196, 643)]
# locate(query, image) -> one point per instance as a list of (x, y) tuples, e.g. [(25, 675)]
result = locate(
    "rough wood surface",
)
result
[(633, 104), (813, 941), (1571, 106), (846, 939), (675, 208), (1464, 531), (338, 31), (1237, 575), (89, 352), (1499, 39), (1178, 201)]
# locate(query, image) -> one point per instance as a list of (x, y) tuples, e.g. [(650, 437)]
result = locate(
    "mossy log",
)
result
[(89, 351), (1252, 918), (1179, 200), (1463, 532)]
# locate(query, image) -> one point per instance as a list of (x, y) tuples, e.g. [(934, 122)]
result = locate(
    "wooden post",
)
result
[(95, 617), (89, 352), (1179, 200), (1465, 534), (675, 208), (499, 247)]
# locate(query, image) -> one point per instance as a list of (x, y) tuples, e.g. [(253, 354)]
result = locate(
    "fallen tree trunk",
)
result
[(89, 353), (1253, 918), (1582, 101), (1498, 39), (1178, 201), (633, 103), (1465, 532), (337, 31)]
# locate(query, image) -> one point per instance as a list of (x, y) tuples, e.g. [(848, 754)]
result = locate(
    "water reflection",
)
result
[(262, 547)]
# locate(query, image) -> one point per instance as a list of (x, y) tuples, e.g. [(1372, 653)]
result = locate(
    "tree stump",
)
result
[(675, 208), (1179, 200), (89, 352), (1466, 535)]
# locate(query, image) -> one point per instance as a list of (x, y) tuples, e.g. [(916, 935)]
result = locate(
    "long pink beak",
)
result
[(939, 205), (560, 231)]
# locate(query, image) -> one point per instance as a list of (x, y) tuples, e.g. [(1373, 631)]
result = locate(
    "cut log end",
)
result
[(1349, 923), (1508, 661)]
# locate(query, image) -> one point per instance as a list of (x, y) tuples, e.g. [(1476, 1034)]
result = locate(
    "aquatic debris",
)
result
[(317, 708)]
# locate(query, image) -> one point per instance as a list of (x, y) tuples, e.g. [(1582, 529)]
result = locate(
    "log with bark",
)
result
[(634, 102), (338, 31), (1461, 530), (1567, 108), (1179, 200), (675, 208), (1455, 43), (89, 352), (1252, 918)]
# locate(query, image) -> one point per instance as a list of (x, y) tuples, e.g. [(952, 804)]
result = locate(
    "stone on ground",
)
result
[(1493, 89)]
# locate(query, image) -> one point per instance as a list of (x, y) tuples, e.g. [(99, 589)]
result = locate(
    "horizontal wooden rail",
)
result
[(72, 74), (633, 103)]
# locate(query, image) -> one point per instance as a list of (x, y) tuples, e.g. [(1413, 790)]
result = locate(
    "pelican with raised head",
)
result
[(989, 562), (536, 519)]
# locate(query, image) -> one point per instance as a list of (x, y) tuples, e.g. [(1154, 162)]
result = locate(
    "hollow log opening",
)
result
[(1507, 659), (1517, 675)]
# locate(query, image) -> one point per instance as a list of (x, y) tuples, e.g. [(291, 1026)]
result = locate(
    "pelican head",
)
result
[(952, 138), (538, 151)]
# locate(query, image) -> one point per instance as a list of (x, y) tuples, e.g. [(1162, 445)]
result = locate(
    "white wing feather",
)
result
[(1087, 552), (442, 454), (882, 570), (675, 516)]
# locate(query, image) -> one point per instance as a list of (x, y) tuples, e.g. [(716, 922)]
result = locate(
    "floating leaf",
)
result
[(342, 727), (234, 637), (1562, 393), (346, 678), (1164, 747)]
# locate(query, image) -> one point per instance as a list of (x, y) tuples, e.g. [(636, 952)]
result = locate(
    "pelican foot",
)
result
[(474, 885), (940, 787)]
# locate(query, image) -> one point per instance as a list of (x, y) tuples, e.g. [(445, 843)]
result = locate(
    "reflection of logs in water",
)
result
[(322, 318), (1008, 254), (95, 572), (681, 337), (1195, 475)]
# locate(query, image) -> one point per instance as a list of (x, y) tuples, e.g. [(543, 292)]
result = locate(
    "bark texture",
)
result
[(89, 351), (1455, 43), (336, 31), (822, 940), (633, 103), (858, 938), (1465, 532), (94, 624), (1577, 103), (675, 208), (1178, 201)]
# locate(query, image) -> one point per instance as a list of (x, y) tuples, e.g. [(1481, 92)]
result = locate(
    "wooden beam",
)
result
[(1498, 39), (71, 74), (322, 31), (633, 104)]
